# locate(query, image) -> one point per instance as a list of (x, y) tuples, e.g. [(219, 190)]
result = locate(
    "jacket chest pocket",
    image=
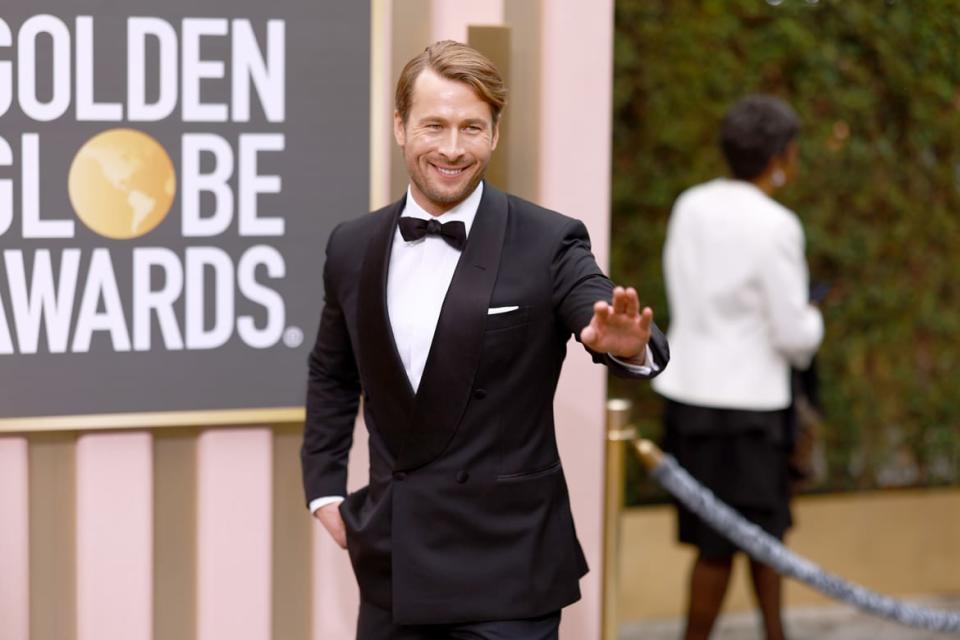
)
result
[(504, 336), (507, 320)]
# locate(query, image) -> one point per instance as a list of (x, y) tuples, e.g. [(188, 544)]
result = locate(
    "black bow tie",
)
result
[(454, 233)]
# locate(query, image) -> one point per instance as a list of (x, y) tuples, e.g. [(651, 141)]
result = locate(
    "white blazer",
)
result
[(737, 286)]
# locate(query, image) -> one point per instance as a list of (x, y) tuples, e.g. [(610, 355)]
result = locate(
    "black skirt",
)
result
[(742, 457)]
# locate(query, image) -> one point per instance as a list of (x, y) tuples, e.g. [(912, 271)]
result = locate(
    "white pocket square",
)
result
[(492, 311)]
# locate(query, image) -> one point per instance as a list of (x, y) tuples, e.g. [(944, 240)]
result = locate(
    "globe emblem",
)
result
[(122, 183)]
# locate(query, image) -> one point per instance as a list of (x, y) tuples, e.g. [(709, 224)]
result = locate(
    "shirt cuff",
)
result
[(642, 366), (318, 503)]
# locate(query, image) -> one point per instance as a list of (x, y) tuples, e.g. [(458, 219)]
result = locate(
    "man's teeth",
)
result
[(449, 172)]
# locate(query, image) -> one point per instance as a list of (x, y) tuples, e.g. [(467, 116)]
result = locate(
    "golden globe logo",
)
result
[(122, 185)]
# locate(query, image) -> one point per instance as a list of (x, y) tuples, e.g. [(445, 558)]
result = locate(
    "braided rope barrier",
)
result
[(767, 549)]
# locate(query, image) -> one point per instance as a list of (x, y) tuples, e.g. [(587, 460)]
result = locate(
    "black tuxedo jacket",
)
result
[(466, 516)]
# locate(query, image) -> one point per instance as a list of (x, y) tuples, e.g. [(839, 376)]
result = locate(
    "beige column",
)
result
[(175, 534), (381, 102), (450, 18), (522, 116), (411, 32), (52, 477), (292, 529)]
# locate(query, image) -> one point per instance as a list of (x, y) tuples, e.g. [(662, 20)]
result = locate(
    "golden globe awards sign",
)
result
[(169, 174)]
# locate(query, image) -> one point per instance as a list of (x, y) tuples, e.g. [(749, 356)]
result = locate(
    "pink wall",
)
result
[(577, 58), (114, 483), (234, 515), (14, 539)]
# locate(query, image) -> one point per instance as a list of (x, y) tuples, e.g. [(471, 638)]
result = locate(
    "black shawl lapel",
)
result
[(390, 396), (455, 352)]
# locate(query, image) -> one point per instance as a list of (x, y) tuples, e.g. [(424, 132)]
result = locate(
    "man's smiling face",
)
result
[(447, 141)]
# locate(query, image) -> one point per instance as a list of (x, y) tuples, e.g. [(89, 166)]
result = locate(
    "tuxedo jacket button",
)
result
[(480, 394), (462, 476), (399, 476)]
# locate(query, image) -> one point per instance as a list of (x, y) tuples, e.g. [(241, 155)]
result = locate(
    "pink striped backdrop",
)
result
[(130, 559)]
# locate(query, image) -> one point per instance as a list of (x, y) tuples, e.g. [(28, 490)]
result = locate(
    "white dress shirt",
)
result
[(418, 277), (417, 281), (738, 291)]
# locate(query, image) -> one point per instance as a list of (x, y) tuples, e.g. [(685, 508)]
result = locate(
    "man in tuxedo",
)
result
[(448, 312)]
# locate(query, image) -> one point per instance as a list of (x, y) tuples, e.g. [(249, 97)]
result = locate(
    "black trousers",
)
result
[(375, 623)]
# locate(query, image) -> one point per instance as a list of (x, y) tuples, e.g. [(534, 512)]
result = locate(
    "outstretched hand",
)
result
[(620, 329)]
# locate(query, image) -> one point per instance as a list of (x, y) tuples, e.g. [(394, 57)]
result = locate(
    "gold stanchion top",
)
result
[(618, 404), (650, 454), (618, 419)]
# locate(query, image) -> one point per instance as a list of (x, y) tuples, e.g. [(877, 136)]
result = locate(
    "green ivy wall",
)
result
[(877, 85)]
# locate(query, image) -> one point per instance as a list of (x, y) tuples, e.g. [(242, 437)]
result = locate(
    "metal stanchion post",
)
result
[(618, 432)]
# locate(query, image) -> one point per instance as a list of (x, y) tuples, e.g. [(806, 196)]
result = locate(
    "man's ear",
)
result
[(399, 130), (496, 135)]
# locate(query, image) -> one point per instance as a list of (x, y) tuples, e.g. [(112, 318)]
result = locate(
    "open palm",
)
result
[(619, 328)]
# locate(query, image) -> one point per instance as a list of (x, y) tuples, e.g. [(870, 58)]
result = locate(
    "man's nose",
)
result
[(452, 145)]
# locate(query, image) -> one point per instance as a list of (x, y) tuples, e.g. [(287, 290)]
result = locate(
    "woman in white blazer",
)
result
[(737, 288)]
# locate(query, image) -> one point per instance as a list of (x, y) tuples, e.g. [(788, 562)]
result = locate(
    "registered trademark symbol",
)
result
[(293, 337)]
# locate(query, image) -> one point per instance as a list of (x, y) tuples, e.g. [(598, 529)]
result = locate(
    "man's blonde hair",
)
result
[(453, 61)]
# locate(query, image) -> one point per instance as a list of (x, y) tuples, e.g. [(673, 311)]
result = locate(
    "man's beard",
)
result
[(445, 199)]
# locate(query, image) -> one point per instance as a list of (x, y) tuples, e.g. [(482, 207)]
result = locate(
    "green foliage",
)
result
[(877, 85)]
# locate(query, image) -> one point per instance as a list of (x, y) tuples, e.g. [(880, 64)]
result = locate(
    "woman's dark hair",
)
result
[(755, 130)]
